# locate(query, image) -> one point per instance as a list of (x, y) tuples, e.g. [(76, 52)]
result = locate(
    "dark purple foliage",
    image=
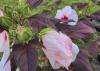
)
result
[(40, 21), (82, 62), (80, 5), (25, 56), (34, 3), (82, 30)]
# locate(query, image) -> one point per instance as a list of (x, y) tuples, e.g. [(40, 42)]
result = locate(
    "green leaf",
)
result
[(5, 22)]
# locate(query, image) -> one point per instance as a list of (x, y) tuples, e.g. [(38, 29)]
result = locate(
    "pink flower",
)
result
[(4, 48), (59, 49), (66, 14)]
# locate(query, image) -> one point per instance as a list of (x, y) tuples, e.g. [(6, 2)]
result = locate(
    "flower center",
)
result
[(65, 18)]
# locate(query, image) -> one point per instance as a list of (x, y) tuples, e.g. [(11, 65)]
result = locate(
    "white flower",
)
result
[(59, 49), (66, 14), (4, 48)]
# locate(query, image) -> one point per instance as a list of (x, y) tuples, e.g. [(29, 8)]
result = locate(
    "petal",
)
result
[(55, 40), (72, 23), (59, 14), (6, 51), (1, 41), (59, 49), (50, 55), (63, 60), (67, 11), (67, 44), (75, 51), (74, 15), (4, 39)]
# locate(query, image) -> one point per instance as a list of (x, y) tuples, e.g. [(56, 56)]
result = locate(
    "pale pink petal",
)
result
[(73, 17), (59, 14), (72, 23), (56, 41), (67, 43), (1, 42), (67, 11), (75, 51), (63, 60), (50, 55), (4, 39), (59, 49)]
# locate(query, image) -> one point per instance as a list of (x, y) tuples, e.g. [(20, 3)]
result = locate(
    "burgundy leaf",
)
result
[(82, 62), (34, 3), (87, 22), (13, 65), (25, 56), (41, 21), (95, 16), (98, 58), (56, 4), (97, 28), (96, 2), (83, 29), (94, 49), (80, 5)]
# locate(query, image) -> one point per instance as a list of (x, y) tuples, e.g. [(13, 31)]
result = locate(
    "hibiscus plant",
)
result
[(49, 35)]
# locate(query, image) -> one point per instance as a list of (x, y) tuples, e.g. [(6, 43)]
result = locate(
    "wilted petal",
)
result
[(50, 55), (4, 47), (1, 42), (59, 49), (75, 51)]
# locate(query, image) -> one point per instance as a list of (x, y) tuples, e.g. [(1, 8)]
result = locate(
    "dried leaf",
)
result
[(34, 3)]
